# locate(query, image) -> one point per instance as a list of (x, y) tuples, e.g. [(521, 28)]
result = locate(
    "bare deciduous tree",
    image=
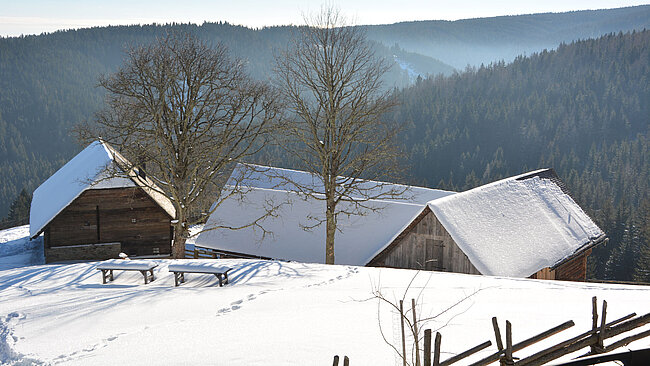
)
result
[(413, 325), (331, 85), (189, 111)]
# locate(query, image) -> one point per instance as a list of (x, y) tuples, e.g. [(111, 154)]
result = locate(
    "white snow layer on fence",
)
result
[(515, 227)]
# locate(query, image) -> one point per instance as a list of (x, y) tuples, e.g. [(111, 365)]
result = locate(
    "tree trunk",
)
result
[(331, 231), (180, 236)]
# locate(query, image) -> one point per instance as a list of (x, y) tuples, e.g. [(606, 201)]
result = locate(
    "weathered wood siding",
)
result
[(125, 215), (572, 270), (426, 245), (544, 274)]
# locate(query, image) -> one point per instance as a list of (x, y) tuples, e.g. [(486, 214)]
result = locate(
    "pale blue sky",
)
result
[(36, 16)]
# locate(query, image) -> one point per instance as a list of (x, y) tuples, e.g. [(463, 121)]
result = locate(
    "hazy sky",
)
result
[(37, 16)]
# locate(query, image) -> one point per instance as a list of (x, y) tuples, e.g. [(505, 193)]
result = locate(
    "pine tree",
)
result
[(18, 211), (642, 269)]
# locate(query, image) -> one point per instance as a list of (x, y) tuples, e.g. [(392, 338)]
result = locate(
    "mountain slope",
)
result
[(583, 110), (485, 40)]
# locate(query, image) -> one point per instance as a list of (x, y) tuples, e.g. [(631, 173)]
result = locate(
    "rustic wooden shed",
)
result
[(524, 226), (87, 212)]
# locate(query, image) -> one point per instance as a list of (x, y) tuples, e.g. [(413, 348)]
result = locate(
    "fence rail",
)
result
[(208, 253), (592, 339)]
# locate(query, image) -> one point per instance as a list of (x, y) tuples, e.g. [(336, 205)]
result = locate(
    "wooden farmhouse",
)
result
[(524, 226), (87, 212)]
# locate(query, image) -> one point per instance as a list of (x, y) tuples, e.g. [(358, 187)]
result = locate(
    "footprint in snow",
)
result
[(236, 302), (223, 311)]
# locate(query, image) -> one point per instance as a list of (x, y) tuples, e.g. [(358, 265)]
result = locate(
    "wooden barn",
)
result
[(524, 226), (86, 212)]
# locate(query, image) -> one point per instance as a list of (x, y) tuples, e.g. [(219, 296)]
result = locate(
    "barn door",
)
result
[(434, 252)]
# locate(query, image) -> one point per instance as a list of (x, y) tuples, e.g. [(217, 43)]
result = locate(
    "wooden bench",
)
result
[(145, 267), (199, 266)]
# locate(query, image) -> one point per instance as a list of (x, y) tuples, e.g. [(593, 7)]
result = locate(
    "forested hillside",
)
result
[(583, 110), (484, 40), (48, 85), (48, 82)]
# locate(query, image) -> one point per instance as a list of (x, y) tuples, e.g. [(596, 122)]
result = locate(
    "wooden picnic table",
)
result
[(145, 267), (205, 266)]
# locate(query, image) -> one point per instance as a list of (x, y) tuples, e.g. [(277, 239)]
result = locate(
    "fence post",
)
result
[(497, 335), (346, 361), (508, 358), (415, 334), (600, 348), (594, 321), (427, 347), (196, 253), (436, 351)]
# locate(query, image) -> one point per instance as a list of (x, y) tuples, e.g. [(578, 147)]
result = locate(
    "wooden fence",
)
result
[(593, 338), (207, 253)]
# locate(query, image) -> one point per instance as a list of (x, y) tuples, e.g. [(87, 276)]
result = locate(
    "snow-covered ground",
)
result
[(16, 250), (271, 313)]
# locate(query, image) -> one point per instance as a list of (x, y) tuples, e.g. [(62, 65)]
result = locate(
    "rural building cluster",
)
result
[(523, 226)]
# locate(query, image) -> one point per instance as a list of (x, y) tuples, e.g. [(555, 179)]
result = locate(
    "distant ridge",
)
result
[(484, 40)]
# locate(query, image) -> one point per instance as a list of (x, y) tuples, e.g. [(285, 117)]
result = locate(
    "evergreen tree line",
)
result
[(48, 82), (583, 110)]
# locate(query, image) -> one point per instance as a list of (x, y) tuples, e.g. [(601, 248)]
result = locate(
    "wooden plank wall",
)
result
[(125, 215), (573, 270), (425, 245), (544, 274)]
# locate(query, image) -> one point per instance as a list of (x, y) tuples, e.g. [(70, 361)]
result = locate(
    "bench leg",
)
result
[(152, 276), (220, 277), (177, 278), (225, 275), (107, 274), (146, 277)]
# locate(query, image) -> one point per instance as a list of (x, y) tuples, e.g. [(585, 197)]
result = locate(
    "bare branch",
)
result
[(188, 112), (330, 83)]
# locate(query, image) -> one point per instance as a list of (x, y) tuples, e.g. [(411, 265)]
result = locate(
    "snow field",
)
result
[(273, 313)]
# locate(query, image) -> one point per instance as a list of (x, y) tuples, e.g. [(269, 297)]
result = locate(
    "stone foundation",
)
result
[(99, 251)]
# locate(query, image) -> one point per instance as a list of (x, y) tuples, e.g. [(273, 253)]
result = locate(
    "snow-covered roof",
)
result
[(90, 169), (360, 237), (516, 226), (258, 176)]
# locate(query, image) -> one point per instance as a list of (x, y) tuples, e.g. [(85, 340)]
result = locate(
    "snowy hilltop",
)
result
[(271, 312)]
